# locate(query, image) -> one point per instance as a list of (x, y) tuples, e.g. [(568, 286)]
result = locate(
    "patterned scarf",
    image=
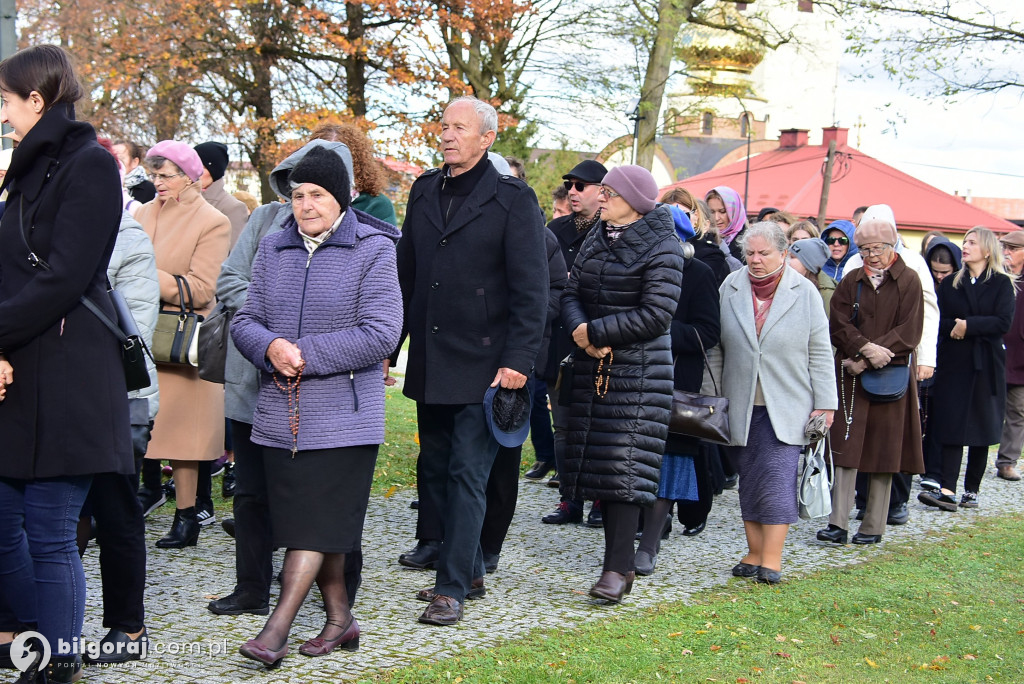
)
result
[(583, 224), (878, 277), (762, 292), (734, 209)]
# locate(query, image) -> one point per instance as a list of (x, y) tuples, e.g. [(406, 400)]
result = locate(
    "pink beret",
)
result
[(186, 158)]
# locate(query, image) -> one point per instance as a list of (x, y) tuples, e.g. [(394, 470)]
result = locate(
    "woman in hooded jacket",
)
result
[(729, 217), (622, 293)]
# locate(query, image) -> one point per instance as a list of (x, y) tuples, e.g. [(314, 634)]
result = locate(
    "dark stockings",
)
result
[(301, 569), (655, 519)]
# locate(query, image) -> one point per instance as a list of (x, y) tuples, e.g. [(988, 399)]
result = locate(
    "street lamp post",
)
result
[(634, 115)]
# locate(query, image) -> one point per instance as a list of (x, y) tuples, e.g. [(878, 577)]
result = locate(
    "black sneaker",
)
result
[(217, 467), (938, 500), (731, 482), (594, 518), (554, 481), (151, 500), (227, 484), (205, 514), (969, 500), (930, 485), (564, 514)]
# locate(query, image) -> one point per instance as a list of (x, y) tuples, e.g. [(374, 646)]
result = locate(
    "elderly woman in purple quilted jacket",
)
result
[(323, 311)]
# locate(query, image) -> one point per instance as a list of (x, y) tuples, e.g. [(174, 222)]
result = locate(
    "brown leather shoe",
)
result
[(443, 611), (1008, 473), (613, 585), (477, 590)]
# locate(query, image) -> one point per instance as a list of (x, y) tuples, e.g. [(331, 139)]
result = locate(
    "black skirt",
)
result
[(318, 499)]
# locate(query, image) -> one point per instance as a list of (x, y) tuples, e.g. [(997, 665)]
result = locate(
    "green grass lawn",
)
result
[(951, 610)]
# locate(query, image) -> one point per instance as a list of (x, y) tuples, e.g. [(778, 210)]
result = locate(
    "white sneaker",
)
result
[(206, 517), (929, 485)]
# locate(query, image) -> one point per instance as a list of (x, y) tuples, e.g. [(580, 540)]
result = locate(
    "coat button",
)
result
[(444, 242), (433, 328), (435, 285)]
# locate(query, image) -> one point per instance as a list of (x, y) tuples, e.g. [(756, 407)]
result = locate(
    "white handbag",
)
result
[(814, 494)]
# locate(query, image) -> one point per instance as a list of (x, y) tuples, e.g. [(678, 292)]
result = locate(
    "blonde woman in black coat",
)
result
[(622, 294), (969, 395)]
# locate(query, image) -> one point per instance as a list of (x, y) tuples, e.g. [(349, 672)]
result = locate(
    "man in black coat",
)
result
[(471, 251), (582, 184)]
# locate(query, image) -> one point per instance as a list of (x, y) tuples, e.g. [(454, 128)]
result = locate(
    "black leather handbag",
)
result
[(701, 415), (214, 338), (886, 384)]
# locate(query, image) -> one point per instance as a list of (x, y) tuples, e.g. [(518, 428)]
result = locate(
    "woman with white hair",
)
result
[(774, 364)]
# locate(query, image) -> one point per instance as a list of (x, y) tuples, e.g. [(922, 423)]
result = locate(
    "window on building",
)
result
[(744, 124), (706, 123)]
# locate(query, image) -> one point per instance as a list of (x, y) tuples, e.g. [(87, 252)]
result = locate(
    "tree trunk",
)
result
[(671, 15), (355, 63)]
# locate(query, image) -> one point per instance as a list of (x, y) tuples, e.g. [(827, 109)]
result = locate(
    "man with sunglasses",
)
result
[(838, 237), (582, 184)]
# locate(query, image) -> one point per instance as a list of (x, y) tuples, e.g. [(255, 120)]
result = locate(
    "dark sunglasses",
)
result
[(579, 185), (834, 240)]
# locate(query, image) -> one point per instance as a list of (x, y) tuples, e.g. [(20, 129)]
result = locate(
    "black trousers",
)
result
[(953, 457), (541, 435), (121, 537), (620, 525), (456, 455), (560, 425), (502, 497), (254, 546)]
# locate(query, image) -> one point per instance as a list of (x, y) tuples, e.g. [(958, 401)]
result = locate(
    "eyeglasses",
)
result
[(163, 176), (610, 194), (837, 240), (579, 185), (875, 251)]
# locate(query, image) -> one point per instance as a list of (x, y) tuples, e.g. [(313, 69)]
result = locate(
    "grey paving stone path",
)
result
[(542, 581)]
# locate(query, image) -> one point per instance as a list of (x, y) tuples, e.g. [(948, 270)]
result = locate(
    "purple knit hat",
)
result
[(636, 185), (186, 158)]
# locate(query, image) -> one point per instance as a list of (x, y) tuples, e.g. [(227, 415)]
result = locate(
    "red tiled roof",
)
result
[(791, 178)]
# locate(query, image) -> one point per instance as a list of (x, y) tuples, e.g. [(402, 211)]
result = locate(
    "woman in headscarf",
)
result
[(623, 291), (729, 217)]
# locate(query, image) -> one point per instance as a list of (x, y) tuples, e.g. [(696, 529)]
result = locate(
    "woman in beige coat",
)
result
[(190, 239)]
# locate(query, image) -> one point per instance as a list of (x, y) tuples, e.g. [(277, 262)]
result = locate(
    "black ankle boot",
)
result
[(62, 668), (184, 530)]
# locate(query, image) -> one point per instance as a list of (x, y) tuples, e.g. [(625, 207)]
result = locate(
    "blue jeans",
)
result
[(41, 574)]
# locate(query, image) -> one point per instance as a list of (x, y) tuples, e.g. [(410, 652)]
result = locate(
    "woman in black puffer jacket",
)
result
[(622, 293)]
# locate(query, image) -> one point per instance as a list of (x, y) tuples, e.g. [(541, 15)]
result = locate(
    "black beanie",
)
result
[(214, 156), (325, 168)]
